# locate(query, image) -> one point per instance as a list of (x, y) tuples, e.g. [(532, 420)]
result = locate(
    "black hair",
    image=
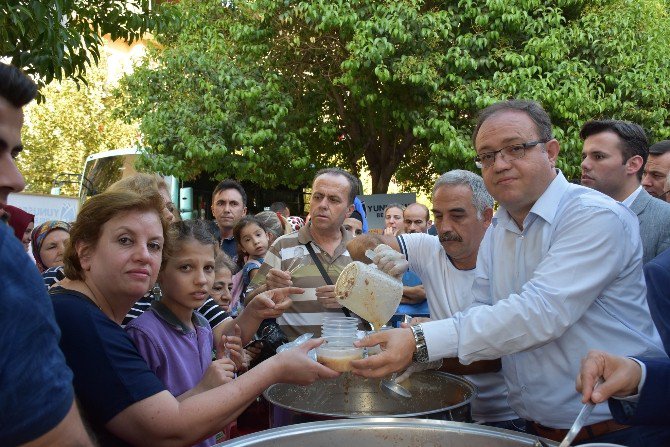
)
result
[(237, 231), (15, 86), (531, 108), (353, 181), (633, 138), (230, 184), (660, 148)]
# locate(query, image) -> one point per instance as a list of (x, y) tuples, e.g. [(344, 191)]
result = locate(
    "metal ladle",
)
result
[(393, 388)]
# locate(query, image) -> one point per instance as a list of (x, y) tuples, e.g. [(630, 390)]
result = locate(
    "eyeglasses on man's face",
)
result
[(511, 152)]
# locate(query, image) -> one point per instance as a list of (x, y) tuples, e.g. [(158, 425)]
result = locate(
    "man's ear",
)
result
[(351, 210), (634, 164), (487, 216), (553, 148), (84, 253)]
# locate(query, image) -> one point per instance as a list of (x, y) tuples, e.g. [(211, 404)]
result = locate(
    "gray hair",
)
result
[(393, 205), (271, 222), (481, 199)]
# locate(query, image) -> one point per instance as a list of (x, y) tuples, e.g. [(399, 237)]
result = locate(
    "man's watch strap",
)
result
[(421, 353)]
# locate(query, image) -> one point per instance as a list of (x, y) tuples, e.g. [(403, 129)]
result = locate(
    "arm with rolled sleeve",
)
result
[(586, 254)]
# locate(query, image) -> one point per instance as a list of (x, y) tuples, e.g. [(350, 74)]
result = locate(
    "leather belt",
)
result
[(586, 433)]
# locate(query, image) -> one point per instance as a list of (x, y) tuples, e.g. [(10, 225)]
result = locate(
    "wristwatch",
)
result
[(421, 353)]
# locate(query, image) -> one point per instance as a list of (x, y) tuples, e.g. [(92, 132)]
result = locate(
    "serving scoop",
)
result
[(393, 388)]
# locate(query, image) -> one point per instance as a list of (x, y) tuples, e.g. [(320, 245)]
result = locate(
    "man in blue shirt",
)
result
[(36, 397), (558, 271), (229, 205)]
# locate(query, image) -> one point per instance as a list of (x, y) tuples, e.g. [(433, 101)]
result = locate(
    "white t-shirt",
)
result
[(448, 291)]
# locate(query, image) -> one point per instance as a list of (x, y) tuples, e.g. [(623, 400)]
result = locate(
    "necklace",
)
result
[(96, 301)]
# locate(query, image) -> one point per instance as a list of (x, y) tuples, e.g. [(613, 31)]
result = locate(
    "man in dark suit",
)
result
[(613, 157), (636, 391), (657, 276)]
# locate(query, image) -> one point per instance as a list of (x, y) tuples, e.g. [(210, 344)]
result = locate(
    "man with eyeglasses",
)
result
[(559, 272), (613, 155)]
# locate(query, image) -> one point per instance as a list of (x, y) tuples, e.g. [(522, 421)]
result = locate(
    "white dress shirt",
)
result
[(570, 281)]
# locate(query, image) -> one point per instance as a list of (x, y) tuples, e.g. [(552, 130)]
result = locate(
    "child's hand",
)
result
[(219, 372), (273, 303), (230, 346)]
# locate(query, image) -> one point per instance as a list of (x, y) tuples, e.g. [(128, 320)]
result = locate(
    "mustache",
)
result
[(450, 236)]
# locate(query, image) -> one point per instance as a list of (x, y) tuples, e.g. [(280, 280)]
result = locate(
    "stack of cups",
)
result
[(338, 350)]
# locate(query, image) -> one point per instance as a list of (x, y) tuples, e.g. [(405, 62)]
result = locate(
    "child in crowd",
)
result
[(252, 245), (224, 269), (174, 339)]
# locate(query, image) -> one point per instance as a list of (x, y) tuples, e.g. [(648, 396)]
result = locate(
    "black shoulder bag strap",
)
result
[(329, 281)]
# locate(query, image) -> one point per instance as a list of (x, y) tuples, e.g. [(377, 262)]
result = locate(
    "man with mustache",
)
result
[(446, 265), (288, 260), (612, 159), (559, 271)]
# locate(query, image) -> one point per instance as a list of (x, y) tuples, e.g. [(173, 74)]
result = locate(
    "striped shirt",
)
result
[(288, 253)]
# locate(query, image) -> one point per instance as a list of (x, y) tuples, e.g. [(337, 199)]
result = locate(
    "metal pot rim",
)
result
[(376, 423), (466, 383)]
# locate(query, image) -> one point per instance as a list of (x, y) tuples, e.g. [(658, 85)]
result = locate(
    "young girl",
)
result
[(224, 269), (174, 339), (252, 244)]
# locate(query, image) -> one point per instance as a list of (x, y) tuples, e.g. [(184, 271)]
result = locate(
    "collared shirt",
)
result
[(628, 201), (448, 292), (229, 246), (288, 252), (570, 281)]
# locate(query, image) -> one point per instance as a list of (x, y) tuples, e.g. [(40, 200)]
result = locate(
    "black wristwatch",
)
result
[(421, 353)]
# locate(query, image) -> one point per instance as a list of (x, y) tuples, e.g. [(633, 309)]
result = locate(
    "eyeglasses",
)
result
[(511, 152)]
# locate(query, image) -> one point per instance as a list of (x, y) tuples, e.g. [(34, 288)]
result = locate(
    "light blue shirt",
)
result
[(570, 281)]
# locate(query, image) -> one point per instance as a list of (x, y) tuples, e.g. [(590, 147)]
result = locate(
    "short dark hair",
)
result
[(230, 184), (15, 86), (633, 139), (660, 148), (278, 207), (531, 108), (353, 181)]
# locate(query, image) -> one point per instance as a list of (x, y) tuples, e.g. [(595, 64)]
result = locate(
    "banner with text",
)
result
[(375, 204)]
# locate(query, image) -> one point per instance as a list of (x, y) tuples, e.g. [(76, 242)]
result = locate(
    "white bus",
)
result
[(104, 168)]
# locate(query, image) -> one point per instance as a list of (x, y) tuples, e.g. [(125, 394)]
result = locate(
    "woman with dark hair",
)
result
[(116, 248), (48, 243)]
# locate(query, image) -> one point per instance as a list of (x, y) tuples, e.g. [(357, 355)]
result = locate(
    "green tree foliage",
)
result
[(270, 90), (69, 125), (56, 39)]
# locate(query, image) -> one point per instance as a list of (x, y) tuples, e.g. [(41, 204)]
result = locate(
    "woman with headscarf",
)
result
[(22, 222), (48, 243)]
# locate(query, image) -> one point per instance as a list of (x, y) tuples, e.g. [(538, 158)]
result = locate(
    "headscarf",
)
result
[(18, 220), (40, 233)]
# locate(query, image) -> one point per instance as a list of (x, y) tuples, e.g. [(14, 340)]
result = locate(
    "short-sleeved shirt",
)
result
[(35, 383), (288, 252), (177, 354), (109, 373)]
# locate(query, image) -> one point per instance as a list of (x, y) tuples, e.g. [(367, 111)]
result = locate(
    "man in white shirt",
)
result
[(446, 265), (558, 271), (613, 156)]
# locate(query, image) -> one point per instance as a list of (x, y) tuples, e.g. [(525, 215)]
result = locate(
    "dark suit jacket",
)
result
[(654, 217), (652, 407), (657, 276)]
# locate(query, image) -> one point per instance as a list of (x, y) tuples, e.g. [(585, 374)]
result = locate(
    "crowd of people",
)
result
[(133, 327)]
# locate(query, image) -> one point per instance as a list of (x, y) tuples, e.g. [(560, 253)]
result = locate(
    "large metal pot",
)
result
[(435, 395), (386, 432)]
